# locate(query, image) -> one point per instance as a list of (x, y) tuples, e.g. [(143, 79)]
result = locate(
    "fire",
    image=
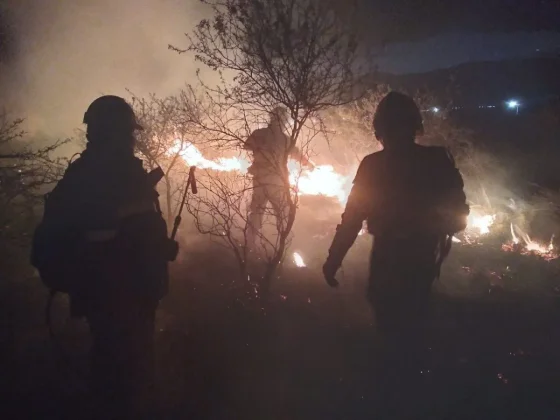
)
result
[(298, 260), (538, 248), (514, 237), (530, 246), (480, 222), (194, 157), (324, 180), (321, 180)]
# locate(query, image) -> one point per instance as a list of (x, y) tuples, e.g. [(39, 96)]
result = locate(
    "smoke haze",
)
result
[(64, 53)]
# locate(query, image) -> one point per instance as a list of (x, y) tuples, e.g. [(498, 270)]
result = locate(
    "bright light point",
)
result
[(480, 222), (435, 109), (513, 104), (298, 260)]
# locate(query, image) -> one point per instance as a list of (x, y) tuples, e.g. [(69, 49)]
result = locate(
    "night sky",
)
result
[(418, 36), (447, 50), (58, 54), (394, 20)]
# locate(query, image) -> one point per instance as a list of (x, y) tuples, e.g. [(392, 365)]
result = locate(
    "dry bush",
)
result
[(25, 174), (294, 53)]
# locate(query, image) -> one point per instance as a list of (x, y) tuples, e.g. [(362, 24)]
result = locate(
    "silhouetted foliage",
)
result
[(294, 53)]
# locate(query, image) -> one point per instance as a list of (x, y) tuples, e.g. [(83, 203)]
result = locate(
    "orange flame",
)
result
[(321, 180), (530, 246), (324, 180)]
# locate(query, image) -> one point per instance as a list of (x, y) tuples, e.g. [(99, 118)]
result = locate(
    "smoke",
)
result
[(65, 53)]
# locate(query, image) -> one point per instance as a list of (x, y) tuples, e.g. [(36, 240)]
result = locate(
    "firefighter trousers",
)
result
[(271, 189)]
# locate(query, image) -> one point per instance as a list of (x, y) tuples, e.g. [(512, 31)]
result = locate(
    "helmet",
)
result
[(111, 111), (397, 115), (279, 113)]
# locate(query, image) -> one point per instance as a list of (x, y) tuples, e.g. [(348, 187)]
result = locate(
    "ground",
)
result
[(310, 355)]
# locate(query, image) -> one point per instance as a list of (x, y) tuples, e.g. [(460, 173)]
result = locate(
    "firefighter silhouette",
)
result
[(413, 201), (271, 148)]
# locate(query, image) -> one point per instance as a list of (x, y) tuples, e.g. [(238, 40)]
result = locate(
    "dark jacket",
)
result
[(103, 219), (414, 191)]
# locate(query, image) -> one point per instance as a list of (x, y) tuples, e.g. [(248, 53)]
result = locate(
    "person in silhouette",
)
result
[(271, 149), (412, 199), (104, 233)]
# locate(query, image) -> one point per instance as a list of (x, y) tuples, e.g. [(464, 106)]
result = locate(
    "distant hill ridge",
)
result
[(487, 82)]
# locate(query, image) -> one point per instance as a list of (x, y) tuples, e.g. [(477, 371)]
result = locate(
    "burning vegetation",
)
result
[(324, 180), (205, 125)]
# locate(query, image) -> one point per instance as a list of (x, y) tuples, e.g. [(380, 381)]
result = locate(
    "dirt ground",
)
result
[(310, 355)]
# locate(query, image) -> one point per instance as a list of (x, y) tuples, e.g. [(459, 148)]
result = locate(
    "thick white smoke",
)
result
[(67, 52)]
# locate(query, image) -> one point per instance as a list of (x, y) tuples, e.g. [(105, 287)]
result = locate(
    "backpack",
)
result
[(420, 192), (58, 256), (69, 262), (56, 253)]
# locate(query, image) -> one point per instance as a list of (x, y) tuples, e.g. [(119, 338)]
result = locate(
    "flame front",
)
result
[(194, 157), (321, 180), (298, 260), (324, 180)]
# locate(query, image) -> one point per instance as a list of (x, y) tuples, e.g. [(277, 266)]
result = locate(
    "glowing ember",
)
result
[(545, 251), (298, 260), (530, 247), (538, 248)]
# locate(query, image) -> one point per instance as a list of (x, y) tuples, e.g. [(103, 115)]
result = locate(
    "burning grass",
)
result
[(493, 252)]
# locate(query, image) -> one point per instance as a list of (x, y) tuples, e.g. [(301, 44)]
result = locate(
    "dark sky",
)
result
[(422, 35), (451, 49), (59, 54), (394, 20)]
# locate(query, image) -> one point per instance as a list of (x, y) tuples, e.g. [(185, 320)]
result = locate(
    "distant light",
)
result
[(513, 104), (435, 109)]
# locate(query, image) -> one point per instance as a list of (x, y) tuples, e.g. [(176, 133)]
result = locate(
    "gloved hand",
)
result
[(329, 271)]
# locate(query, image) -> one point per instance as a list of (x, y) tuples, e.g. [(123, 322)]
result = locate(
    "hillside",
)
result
[(481, 83)]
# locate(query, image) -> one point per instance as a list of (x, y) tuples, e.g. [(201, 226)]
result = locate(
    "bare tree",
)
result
[(25, 172), (166, 136), (294, 53), (222, 209)]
